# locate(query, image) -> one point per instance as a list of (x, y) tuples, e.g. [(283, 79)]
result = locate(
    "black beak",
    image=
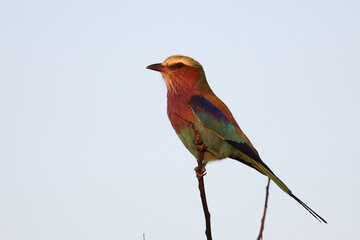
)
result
[(156, 67)]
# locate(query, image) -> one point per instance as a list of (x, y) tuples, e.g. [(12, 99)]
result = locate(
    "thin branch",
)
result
[(260, 237), (200, 173)]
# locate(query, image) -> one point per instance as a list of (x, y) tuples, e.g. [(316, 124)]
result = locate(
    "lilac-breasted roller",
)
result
[(190, 99)]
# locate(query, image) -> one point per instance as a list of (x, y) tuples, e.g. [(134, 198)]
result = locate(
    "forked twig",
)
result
[(260, 237), (201, 172)]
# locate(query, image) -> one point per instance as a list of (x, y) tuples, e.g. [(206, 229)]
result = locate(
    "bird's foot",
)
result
[(200, 172), (199, 146)]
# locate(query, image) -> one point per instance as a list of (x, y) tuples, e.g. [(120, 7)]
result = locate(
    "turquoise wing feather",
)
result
[(214, 119)]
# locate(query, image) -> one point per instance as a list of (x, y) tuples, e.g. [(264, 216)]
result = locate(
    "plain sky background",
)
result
[(87, 151)]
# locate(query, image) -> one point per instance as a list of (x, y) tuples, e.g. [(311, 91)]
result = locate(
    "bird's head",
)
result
[(180, 73)]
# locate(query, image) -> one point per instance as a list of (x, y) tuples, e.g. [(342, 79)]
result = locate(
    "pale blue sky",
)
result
[(87, 151)]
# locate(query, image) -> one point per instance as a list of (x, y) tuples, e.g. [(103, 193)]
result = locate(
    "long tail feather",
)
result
[(261, 167), (288, 191), (312, 212)]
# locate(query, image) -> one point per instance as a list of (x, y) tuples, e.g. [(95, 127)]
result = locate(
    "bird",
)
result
[(191, 100)]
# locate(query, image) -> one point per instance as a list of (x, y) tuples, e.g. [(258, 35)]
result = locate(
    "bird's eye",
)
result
[(180, 65)]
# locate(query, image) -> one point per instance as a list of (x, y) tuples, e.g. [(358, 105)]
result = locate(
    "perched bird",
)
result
[(190, 99)]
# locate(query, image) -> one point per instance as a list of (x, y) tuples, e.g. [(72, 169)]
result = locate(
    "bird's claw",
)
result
[(200, 172), (200, 147)]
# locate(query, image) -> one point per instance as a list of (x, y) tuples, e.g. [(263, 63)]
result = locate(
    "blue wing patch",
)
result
[(208, 111)]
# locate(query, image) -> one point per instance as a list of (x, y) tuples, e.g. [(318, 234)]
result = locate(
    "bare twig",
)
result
[(260, 237), (200, 173)]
